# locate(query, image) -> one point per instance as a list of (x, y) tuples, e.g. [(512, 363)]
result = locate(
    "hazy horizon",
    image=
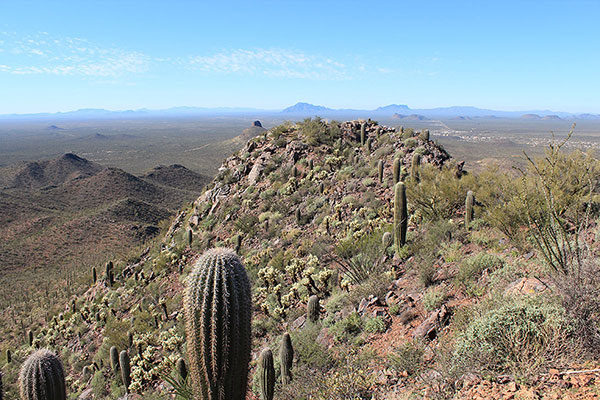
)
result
[(510, 55)]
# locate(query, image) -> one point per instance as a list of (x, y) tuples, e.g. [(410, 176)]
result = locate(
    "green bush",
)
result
[(471, 269), (347, 328), (433, 298), (518, 337), (375, 325), (408, 357)]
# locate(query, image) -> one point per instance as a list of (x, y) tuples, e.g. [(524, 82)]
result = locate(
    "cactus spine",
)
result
[(286, 358), (414, 170), (313, 308), (380, 171), (42, 377), (114, 359), (217, 305), (267, 375), (400, 216), (469, 209), (396, 170), (125, 369), (182, 369)]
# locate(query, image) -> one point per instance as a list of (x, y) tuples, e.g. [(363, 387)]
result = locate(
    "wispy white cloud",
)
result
[(42, 54), (277, 63)]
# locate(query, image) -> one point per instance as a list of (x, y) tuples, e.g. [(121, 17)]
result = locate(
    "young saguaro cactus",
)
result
[(469, 214), (190, 237), (396, 169), (380, 171), (414, 169), (400, 216), (218, 309), (314, 308), (30, 337), (125, 369), (114, 359), (94, 275), (286, 358), (267, 375), (362, 134), (42, 377)]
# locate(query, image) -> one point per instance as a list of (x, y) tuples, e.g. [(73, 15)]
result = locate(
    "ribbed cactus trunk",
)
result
[(469, 214), (380, 171), (362, 134), (42, 377), (400, 216), (286, 358), (238, 243), (114, 360), (217, 305), (1, 388), (267, 375), (314, 308), (125, 366), (396, 169), (414, 170)]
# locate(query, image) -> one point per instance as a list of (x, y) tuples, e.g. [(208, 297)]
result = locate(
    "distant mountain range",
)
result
[(307, 110)]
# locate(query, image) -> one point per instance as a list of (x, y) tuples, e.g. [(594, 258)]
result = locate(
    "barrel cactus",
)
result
[(469, 209), (314, 308), (400, 216), (286, 358), (217, 305), (42, 377), (267, 375), (125, 366)]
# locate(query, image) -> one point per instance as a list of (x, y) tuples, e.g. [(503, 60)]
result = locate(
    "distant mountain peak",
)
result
[(305, 108)]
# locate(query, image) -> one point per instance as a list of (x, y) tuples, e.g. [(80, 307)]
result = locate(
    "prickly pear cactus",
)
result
[(217, 305)]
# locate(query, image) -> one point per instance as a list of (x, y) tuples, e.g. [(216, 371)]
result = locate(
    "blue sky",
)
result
[(507, 55)]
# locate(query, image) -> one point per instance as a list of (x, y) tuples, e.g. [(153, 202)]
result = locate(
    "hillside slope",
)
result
[(310, 205)]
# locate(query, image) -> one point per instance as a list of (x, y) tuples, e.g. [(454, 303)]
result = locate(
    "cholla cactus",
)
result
[(286, 358), (267, 375), (217, 307), (42, 377), (400, 216)]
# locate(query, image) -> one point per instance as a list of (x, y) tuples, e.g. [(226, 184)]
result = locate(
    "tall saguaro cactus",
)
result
[(380, 171), (362, 134), (217, 305), (42, 377), (400, 216), (414, 168), (469, 214), (286, 358), (267, 375)]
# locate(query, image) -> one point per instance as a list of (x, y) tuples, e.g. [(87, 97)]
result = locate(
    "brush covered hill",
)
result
[(462, 310)]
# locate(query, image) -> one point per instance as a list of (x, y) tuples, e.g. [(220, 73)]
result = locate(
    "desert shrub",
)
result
[(410, 143), (375, 325), (347, 328), (246, 223), (408, 357), (433, 298), (318, 131), (439, 194), (471, 269), (426, 247), (308, 350), (519, 337), (360, 259)]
